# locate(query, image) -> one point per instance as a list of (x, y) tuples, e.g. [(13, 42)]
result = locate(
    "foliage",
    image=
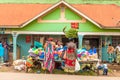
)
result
[(71, 33)]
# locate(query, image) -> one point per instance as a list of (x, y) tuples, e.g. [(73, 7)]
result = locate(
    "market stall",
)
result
[(85, 57)]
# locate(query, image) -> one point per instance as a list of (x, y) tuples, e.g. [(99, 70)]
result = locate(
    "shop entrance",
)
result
[(92, 42)]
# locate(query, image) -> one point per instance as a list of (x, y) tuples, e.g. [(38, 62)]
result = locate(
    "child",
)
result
[(105, 69)]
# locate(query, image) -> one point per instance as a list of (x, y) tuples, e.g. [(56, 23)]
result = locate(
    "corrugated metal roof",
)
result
[(108, 16), (17, 14)]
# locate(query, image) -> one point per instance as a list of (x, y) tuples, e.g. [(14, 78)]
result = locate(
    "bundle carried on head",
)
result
[(50, 39), (71, 33)]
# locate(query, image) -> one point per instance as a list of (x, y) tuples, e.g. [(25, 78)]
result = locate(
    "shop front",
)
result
[(49, 20)]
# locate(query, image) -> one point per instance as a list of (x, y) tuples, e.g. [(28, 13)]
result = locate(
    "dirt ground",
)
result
[(114, 70), (4, 68)]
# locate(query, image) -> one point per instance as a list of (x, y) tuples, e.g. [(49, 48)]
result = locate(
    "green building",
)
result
[(22, 24)]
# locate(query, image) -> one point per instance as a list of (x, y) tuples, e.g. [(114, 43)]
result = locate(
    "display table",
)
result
[(92, 63), (89, 61)]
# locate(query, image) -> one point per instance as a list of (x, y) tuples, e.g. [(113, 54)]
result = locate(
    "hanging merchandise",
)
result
[(38, 44)]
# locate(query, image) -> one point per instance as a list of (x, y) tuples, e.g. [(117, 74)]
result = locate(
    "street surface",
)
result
[(32, 76)]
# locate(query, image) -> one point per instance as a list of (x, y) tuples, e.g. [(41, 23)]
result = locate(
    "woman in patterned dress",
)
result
[(49, 55), (70, 57)]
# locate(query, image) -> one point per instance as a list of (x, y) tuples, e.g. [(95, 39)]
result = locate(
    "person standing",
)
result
[(6, 47), (1, 53), (71, 56), (118, 53), (110, 52), (49, 55)]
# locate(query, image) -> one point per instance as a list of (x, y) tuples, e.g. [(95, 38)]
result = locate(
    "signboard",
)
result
[(75, 25), (28, 39)]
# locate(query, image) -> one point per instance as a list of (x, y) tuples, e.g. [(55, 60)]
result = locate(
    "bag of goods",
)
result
[(56, 56), (42, 54), (29, 62), (82, 54), (19, 64)]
